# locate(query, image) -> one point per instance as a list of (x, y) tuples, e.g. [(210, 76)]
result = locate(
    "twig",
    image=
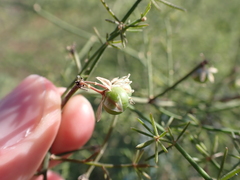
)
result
[(103, 148), (203, 63)]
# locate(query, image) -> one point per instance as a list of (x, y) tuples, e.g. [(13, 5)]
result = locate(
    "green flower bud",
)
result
[(116, 100)]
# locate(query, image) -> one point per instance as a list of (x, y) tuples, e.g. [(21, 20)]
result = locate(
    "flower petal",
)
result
[(210, 77), (99, 110), (105, 82), (114, 80), (213, 70), (203, 76)]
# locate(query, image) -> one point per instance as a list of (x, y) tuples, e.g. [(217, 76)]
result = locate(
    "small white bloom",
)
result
[(210, 72), (105, 82), (123, 82), (203, 74)]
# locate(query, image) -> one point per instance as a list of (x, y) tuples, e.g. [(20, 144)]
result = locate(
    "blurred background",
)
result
[(34, 42)]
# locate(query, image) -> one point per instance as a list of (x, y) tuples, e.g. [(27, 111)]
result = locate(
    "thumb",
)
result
[(29, 120)]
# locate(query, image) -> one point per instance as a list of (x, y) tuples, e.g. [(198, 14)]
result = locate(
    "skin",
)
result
[(32, 122)]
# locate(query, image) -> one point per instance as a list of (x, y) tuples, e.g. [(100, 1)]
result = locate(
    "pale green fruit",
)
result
[(116, 100)]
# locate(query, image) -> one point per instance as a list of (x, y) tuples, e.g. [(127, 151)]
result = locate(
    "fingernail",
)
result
[(23, 109)]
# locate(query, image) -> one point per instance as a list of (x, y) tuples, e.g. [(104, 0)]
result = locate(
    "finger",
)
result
[(76, 126), (29, 120), (50, 176)]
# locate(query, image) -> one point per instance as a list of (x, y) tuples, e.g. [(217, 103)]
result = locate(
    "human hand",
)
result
[(31, 123)]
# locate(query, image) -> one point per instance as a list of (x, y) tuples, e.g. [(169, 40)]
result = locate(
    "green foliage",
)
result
[(193, 129)]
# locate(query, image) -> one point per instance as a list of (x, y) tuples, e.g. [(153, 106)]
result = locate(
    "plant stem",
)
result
[(109, 10), (60, 23), (68, 95), (104, 146), (93, 60), (231, 174), (97, 164), (178, 82), (169, 51), (223, 130), (223, 162), (150, 73), (192, 162), (101, 49), (131, 10)]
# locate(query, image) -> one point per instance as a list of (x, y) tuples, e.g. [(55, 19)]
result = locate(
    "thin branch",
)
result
[(103, 148), (178, 82)]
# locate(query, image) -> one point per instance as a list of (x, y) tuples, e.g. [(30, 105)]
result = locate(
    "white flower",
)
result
[(210, 72), (123, 82), (203, 74)]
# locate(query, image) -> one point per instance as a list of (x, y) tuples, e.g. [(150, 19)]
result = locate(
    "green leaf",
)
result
[(223, 162), (62, 24), (116, 47), (154, 125), (138, 27), (222, 106), (163, 147), (215, 144), (231, 174), (138, 156), (145, 144), (134, 29), (172, 5), (171, 134), (195, 120), (147, 9), (202, 150), (163, 134), (183, 131), (156, 152), (164, 111), (145, 125), (141, 132), (156, 5), (109, 10), (146, 175), (192, 162), (160, 152)]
